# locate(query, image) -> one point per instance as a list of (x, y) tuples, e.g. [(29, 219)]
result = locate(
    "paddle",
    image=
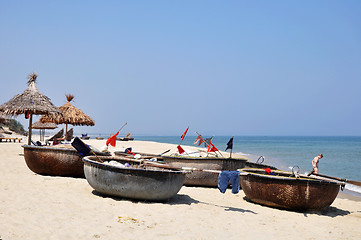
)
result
[(164, 152), (335, 178)]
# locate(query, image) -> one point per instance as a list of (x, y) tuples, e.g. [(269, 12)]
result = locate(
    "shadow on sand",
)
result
[(329, 212), (179, 199), (185, 199)]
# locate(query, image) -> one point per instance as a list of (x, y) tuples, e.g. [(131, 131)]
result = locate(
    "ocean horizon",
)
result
[(342, 154)]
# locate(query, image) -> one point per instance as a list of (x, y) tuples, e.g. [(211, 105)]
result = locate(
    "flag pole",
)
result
[(202, 139), (207, 145), (183, 136), (199, 135), (122, 127), (230, 142), (230, 155), (113, 138)]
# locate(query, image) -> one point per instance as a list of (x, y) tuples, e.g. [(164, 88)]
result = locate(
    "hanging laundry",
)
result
[(226, 177)]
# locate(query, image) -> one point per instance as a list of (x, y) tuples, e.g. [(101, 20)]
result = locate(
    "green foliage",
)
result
[(15, 126)]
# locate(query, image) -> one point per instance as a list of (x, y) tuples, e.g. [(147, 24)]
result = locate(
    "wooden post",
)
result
[(30, 128)]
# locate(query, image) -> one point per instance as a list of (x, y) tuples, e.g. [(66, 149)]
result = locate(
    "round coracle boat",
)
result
[(131, 178), (201, 178), (287, 190), (55, 161), (204, 178)]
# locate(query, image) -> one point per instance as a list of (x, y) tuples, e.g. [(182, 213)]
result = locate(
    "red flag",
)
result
[(184, 134), (212, 148), (112, 140), (180, 149), (199, 140)]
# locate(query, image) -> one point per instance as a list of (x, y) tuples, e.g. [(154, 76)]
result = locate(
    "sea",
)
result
[(341, 155)]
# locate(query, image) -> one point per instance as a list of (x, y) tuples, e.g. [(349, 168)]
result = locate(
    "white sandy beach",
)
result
[(42, 207)]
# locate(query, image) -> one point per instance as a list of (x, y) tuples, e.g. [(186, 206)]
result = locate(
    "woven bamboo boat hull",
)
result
[(203, 178), (54, 161), (282, 191), (135, 182)]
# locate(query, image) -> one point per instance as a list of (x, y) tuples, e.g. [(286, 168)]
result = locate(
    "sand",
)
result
[(42, 207)]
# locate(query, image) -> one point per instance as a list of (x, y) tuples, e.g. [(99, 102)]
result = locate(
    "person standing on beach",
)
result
[(315, 162)]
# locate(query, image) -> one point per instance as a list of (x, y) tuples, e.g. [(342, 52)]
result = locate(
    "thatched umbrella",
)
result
[(70, 115), (30, 102), (42, 127)]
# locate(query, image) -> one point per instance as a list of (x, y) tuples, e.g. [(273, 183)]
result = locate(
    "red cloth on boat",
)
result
[(112, 140), (212, 148), (180, 149)]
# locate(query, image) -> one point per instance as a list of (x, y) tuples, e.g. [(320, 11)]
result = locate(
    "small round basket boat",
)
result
[(283, 189), (54, 161), (203, 178), (129, 178)]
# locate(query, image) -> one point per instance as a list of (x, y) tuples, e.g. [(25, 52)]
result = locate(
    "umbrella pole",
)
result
[(30, 128), (42, 134)]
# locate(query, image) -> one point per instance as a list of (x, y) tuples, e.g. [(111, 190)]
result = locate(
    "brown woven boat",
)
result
[(55, 161), (202, 178), (282, 189)]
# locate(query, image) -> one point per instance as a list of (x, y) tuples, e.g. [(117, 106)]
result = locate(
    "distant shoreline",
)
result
[(346, 194)]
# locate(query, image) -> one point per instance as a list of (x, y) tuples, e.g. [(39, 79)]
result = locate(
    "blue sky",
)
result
[(219, 67)]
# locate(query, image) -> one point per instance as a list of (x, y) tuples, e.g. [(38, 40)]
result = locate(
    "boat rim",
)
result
[(88, 159), (73, 150), (302, 178), (204, 158), (49, 148)]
